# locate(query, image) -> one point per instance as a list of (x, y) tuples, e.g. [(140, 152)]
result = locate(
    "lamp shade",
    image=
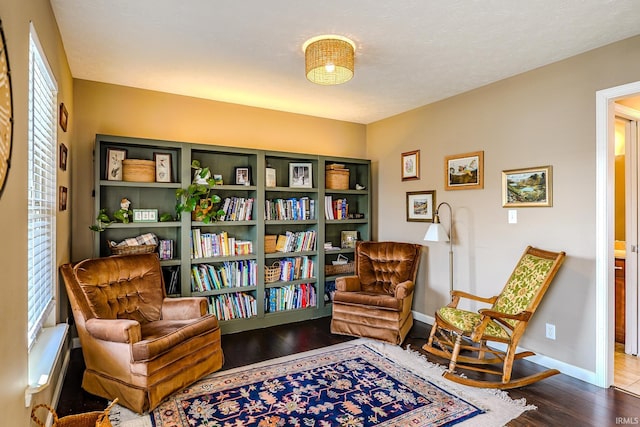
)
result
[(436, 233), (329, 59)]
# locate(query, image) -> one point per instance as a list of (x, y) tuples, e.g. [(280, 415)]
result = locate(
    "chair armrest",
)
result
[(114, 330), (523, 315), (348, 284), (404, 289), (456, 295), (184, 308)]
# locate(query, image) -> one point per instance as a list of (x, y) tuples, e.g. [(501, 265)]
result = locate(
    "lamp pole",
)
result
[(436, 219)]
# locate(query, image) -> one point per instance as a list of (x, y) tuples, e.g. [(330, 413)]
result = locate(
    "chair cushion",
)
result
[(524, 283), (370, 299), (382, 265), (162, 335), (122, 287), (466, 321)]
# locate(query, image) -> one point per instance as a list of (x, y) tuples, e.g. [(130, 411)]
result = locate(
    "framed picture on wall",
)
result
[(410, 165), (420, 205), (528, 187), (464, 171)]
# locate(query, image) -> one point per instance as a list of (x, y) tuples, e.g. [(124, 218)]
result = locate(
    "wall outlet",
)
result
[(551, 331)]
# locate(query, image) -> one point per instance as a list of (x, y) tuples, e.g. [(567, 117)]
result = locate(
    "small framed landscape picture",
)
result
[(217, 179), (300, 175), (410, 165), (464, 171), (420, 205), (163, 166), (243, 175), (115, 156), (529, 187)]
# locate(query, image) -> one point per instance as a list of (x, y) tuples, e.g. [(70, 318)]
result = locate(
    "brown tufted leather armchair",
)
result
[(376, 302), (138, 345)]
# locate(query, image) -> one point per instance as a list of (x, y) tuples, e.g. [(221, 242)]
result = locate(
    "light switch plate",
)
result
[(513, 216)]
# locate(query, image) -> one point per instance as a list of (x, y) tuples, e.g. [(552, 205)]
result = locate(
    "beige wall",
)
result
[(543, 117), (118, 110), (16, 15)]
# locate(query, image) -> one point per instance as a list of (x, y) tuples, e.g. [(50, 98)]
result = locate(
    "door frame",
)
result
[(605, 157)]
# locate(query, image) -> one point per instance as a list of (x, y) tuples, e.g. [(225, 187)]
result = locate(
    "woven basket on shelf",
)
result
[(272, 273), (135, 170), (131, 250), (88, 419), (337, 179), (332, 270)]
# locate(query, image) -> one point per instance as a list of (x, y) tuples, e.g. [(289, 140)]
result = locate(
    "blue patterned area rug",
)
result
[(358, 383)]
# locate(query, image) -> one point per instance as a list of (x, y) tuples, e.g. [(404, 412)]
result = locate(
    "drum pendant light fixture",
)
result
[(329, 59)]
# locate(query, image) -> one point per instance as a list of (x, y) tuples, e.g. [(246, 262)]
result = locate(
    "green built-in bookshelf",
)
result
[(225, 260)]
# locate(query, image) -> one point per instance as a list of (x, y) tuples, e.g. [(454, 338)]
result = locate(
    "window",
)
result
[(42, 188)]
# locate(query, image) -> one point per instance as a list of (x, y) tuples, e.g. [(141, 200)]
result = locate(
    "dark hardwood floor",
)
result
[(561, 400)]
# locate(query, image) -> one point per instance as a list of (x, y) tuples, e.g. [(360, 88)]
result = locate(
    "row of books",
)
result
[(290, 209), (296, 241), (296, 268), (230, 274), (171, 279), (289, 297), (208, 245), (237, 209), (335, 209), (239, 305), (165, 249)]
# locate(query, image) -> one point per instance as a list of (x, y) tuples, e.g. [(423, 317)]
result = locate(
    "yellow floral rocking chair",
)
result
[(455, 330)]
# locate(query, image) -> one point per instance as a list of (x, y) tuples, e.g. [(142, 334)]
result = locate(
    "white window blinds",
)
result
[(42, 188)]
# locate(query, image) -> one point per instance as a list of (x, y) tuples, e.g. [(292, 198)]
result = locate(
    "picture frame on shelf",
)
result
[(163, 167), (217, 179), (243, 175), (145, 215), (62, 198), (527, 187), (410, 165), (300, 175), (62, 161), (270, 177), (348, 239), (115, 156), (420, 205), (64, 117), (464, 171)]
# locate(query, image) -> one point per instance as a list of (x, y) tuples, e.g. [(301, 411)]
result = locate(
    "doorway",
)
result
[(626, 362), (605, 160)]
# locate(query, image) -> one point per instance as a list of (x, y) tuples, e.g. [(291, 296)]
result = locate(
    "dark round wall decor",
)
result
[(6, 112)]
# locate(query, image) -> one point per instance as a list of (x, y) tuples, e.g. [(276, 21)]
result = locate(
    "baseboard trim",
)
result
[(540, 359)]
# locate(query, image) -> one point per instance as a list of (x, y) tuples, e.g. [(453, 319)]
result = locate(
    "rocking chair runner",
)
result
[(456, 330)]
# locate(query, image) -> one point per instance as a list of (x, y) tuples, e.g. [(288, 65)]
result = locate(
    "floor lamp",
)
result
[(437, 233)]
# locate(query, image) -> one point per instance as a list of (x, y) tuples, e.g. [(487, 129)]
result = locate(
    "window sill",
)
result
[(42, 359)]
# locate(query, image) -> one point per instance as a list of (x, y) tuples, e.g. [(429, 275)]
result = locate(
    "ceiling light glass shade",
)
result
[(436, 233), (329, 59)]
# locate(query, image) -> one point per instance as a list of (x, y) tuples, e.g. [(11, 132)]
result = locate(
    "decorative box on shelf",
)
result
[(336, 177)]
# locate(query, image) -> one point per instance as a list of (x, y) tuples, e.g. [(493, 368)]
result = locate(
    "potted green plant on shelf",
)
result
[(198, 198)]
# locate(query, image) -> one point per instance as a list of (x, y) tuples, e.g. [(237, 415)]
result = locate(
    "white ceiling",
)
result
[(409, 53)]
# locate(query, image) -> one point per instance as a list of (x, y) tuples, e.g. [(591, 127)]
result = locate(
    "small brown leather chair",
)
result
[(376, 302), (138, 345)]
